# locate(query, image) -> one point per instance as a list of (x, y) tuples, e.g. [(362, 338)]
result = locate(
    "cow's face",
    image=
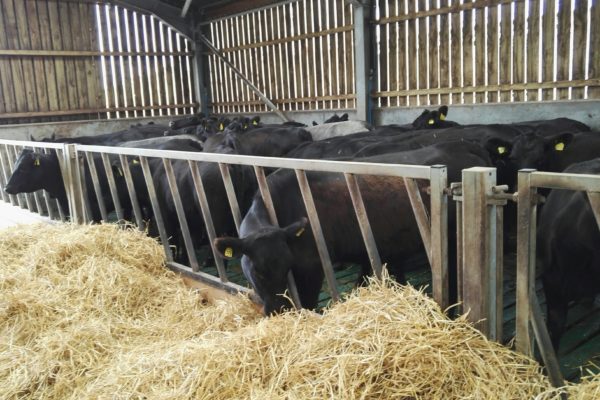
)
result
[(431, 119), (30, 173), (532, 150), (267, 259)]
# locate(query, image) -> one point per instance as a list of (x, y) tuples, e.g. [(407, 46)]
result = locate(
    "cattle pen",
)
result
[(509, 72)]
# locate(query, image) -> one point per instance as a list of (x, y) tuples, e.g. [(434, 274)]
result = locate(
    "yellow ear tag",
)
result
[(228, 252), (254, 123), (559, 146), (221, 127), (442, 117), (245, 126), (300, 232), (36, 162), (501, 150), (120, 171), (136, 162), (431, 122)]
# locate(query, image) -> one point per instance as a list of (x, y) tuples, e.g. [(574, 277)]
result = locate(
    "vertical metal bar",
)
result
[(594, 198), (94, 174), (112, 186), (439, 235), (6, 174), (363, 222), (315, 225), (231, 197), (477, 186), (72, 181), (139, 220), (11, 165), (39, 205), (61, 157), (266, 196), (87, 206), (459, 256), (47, 199), (183, 225), (545, 345), (414, 195), (208, 222), (526, 228), (158, 218)]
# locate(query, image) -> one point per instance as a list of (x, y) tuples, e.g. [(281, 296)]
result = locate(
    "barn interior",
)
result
[(72, 68)]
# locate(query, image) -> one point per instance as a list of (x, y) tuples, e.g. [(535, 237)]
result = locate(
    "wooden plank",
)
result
[(338, 38), (548, 47), (24, 42), (423, 70), (492, 51), (451, 9), (38, 64), (332, 65), (505, 51), (349, 51), (8, 100), (412, 55), (90, 111), (445, 49), (152, 89), (480, 54), (79, 43), (563, 45), (533, 50), (519, 49), (434, 55), (86, 53), (468, 53), (65, 22), (456, 54), (50, 65), (299, 50), (504, 88), (594, 66), (579, 43), (313, 51), (12, 32)]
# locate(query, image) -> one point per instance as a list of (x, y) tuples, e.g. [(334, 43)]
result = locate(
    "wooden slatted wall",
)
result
[(299, 54), (67, 60), (486, 51)]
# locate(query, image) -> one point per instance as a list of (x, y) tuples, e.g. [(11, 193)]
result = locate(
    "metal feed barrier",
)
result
[(529, 315), (432, 225)]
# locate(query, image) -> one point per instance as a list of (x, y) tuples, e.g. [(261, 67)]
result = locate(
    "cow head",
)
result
[(34, 171), (266, 259), (433, 119), (531, 150)]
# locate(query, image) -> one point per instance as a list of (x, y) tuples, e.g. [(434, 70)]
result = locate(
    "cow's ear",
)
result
[(498, 147), (228, 247), (256, 120), (561, 141), (344, 117), (297, 228), (315, 123)]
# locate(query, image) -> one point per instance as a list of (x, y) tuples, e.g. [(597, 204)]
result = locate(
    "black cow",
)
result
[(34, 171), (269, 252), (433, 119), (568, 240), (334, 118)]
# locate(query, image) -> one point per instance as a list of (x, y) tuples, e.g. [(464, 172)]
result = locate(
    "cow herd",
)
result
[(568, 236)]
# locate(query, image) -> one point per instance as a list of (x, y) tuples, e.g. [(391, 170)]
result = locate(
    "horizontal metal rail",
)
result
[(351, 167)]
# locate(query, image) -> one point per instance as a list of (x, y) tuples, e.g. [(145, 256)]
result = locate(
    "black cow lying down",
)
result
[(269, 252), (568, 240)]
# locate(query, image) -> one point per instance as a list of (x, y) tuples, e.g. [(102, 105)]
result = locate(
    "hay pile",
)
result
[(587, 389), (89, 312)]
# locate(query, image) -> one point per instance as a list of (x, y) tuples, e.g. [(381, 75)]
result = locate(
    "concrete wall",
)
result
[(73, 128), (586, 111)]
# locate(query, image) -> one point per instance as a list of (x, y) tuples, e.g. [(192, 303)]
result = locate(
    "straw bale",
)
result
[(91, 313)]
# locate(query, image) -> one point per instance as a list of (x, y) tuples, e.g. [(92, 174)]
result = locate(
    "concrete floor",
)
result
[(11, 215)]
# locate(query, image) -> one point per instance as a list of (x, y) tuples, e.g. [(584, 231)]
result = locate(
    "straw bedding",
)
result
[(90, 312)]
